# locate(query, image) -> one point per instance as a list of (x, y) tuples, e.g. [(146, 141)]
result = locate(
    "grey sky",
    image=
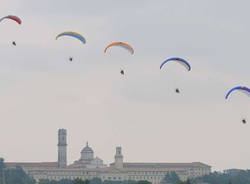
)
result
[(41, 91)]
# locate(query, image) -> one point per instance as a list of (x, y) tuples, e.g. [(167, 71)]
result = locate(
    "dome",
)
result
[(87, 149)]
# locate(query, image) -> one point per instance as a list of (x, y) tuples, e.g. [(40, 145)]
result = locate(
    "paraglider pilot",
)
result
[(122, 72), (14, 43)]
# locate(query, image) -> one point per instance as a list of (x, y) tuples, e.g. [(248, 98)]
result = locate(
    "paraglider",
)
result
[(179, 60), (72, 34), (123, 45), (120, 44), (12, 17), (238, 88), (242, 89)]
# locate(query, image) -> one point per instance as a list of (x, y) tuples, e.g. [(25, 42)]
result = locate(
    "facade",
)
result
[(87, 160), (88, 167)]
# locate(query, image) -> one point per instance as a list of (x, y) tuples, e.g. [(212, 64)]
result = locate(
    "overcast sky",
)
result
[(41, 91)]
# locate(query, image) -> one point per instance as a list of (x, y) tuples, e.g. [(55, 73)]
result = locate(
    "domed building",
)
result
[(87, 154), (89, 167), (87, 159)]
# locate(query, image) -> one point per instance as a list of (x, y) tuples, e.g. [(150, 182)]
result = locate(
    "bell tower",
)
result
[(118, 158), (62, 148)]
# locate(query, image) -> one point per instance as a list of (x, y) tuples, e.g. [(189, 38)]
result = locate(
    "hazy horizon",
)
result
[(41, 91)]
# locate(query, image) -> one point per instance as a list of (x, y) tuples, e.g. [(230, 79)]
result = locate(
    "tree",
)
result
[(188, 181), (95, 181), (43, 181), (78, 181), (179, 182), (2, 165), (17, 176), (112, 182), (129, 182), (143, 182), (65, 181), (170, 178)]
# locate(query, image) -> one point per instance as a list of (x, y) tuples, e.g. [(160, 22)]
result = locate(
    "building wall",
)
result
[(152, 175)]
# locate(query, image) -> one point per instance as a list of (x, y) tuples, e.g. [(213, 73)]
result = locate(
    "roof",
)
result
[(163, 165), (32, 164), (126, 166), (87, 149)]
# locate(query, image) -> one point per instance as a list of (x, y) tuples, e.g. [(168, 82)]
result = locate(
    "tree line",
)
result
[(13, 176), (18, 176), (235, 176), (92, 181)]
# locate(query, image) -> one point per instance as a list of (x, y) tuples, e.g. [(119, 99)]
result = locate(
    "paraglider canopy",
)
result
[(72, 34), (120, 44), (12, 17), (239, 88), (178, 60)]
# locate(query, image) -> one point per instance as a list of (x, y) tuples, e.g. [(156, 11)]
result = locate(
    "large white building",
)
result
[(88, 167)]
